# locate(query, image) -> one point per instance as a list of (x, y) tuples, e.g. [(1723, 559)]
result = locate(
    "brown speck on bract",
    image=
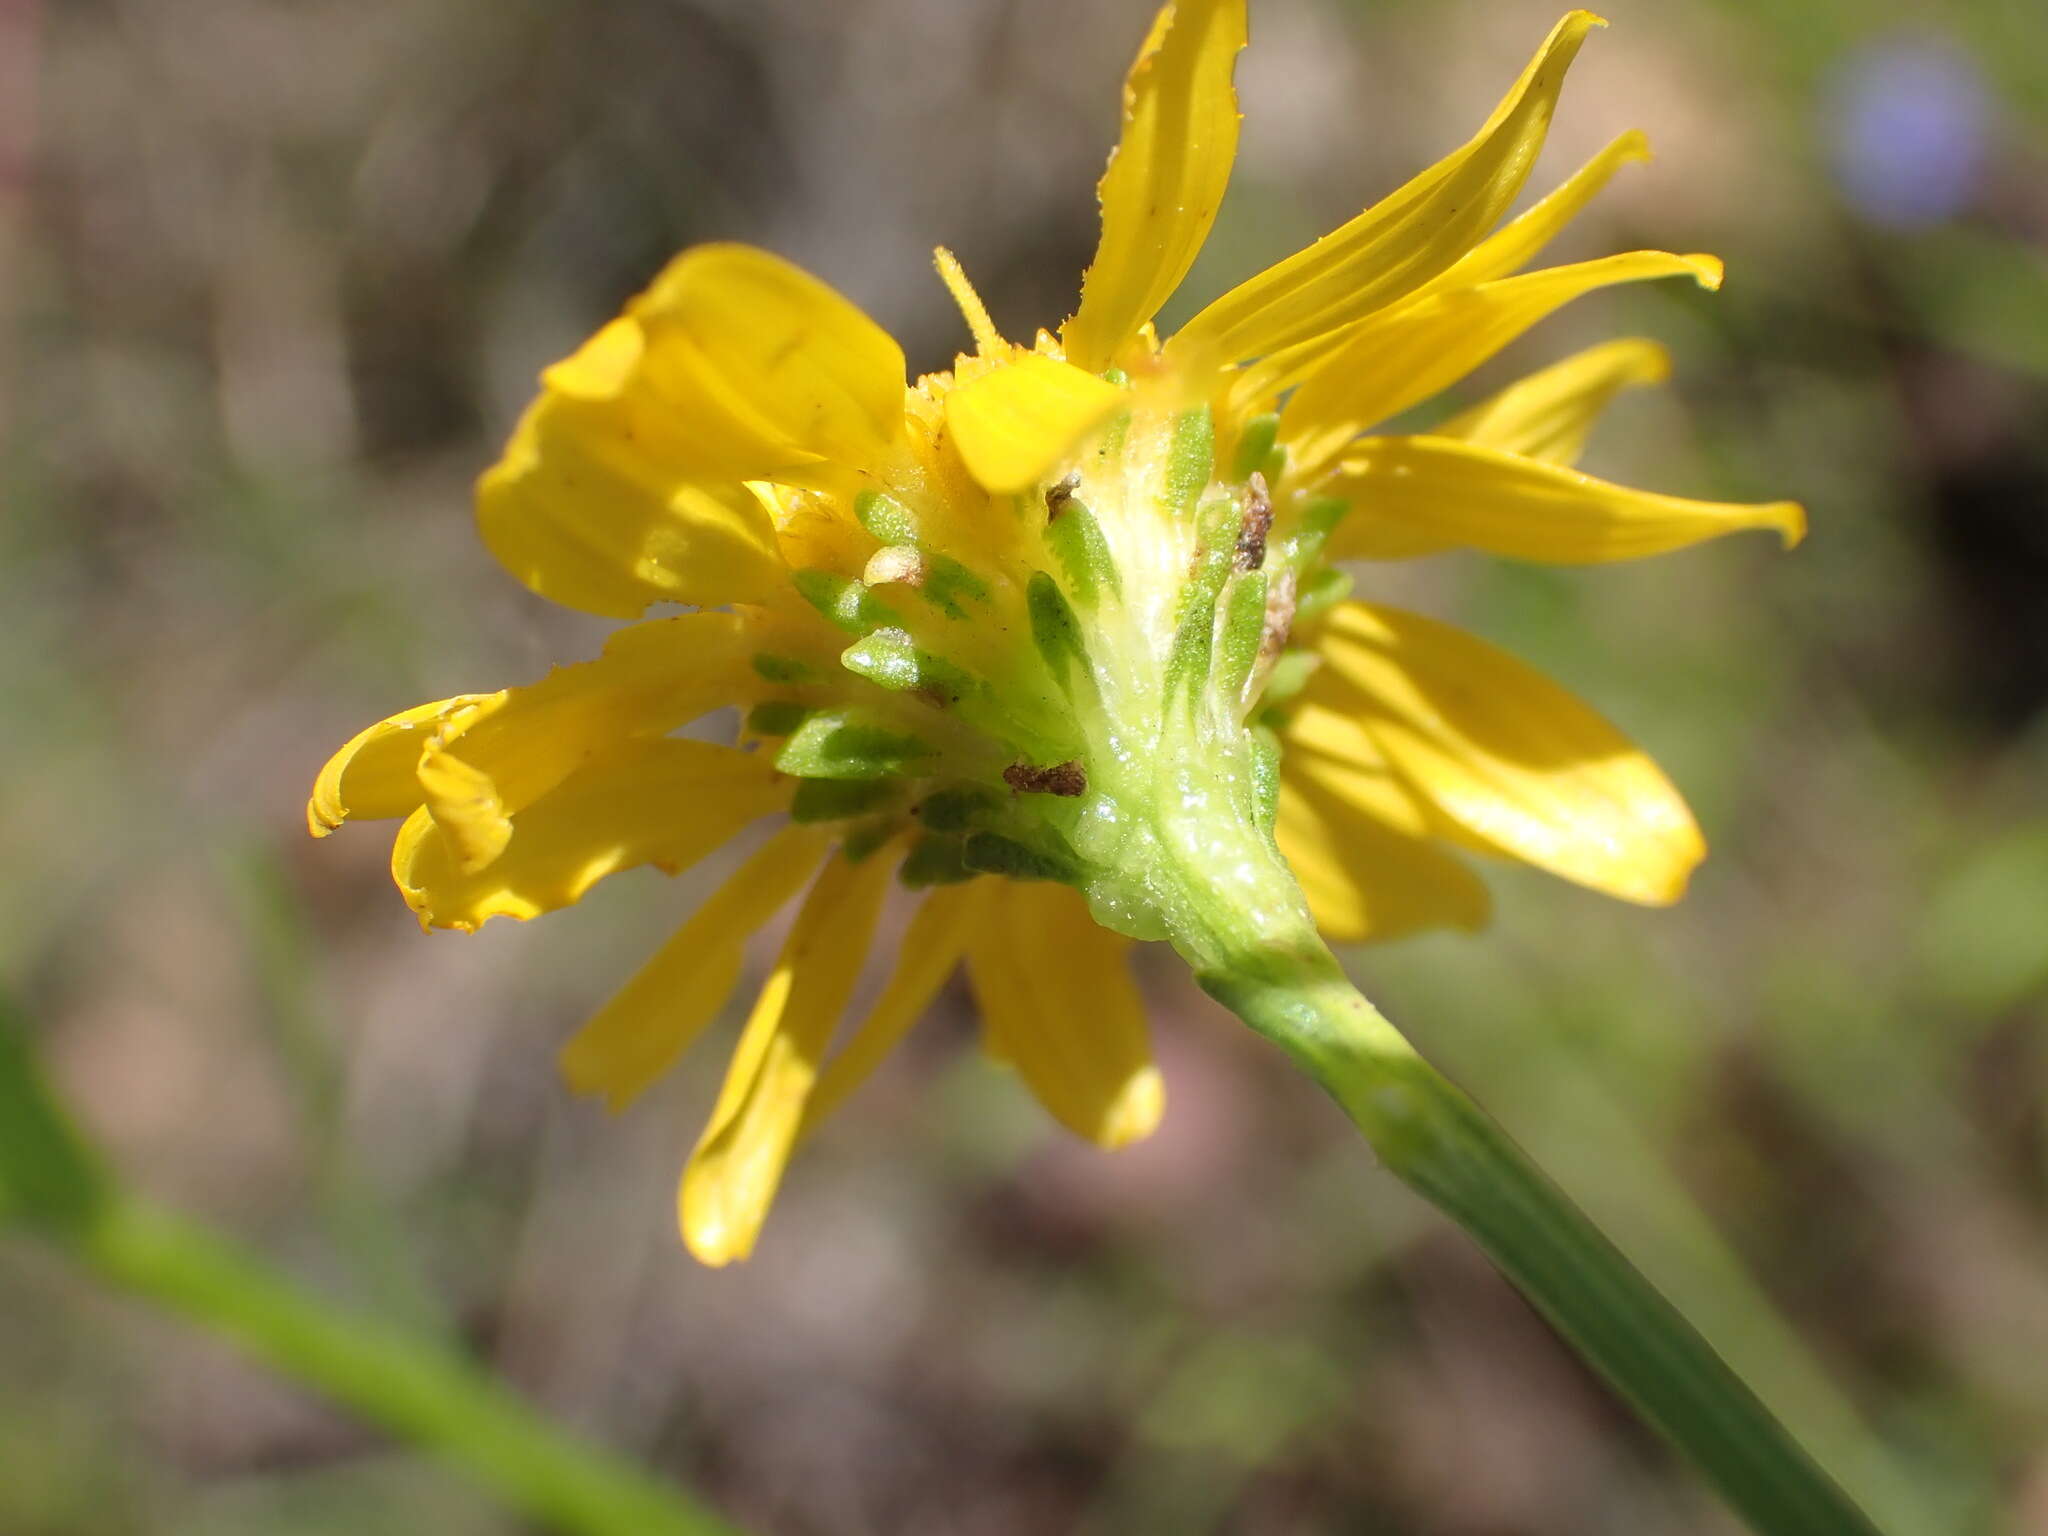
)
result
[(1057, 496), (1258, 522), (1068, 778)]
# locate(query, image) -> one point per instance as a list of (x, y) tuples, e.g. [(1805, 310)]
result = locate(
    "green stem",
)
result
[(412, 1387), (1442, 1144), (1236, 914)]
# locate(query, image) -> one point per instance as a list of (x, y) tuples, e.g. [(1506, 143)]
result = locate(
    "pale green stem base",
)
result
[(411, 1386), (1443, 1145)]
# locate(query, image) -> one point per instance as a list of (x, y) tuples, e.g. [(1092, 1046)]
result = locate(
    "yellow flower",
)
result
[(1054, 639)]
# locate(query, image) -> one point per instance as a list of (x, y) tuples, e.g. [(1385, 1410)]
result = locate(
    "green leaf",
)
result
[(935, 861), (1244, 635), (885, 517), (1076, 541), (1054, 629), (866, 838), (1313, 527), (784, 669), (890, 659), (776, 717), (1320, 593), (949, 586), (1254, 445), (848, 744), (1190, 459), (845, 602), (990, 853), (1194, 638), (1290, 675), (1265, 785), (958, 808), (837, 799)]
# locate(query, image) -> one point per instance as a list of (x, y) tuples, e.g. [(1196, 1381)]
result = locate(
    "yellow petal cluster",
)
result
[(961, 615)]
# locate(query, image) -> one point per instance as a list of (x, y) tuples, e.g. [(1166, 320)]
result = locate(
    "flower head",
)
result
[(1060, 638)]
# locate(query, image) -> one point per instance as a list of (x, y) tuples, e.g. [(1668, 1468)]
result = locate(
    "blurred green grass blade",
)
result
[(48, 1175), (426, 1396)]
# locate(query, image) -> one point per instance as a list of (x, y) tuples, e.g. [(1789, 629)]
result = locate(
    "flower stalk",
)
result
[(1195, 862), (1447, 1149), (1279, 978)]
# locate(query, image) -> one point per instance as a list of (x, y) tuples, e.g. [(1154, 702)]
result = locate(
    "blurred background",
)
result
[(275, 277)]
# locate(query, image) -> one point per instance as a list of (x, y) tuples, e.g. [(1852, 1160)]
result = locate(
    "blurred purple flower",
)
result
[(1907, 123)]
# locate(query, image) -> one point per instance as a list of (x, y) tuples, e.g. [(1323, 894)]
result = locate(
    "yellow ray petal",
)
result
[(1416, 493), (1507, 250), (774, 368), (932, 947), (651, 1021), (593, 506), (1365, 881), (1517, 243), (1516, 762), (1403, 357), (1401, 242), (1166, 176), (376, 774), (486, 761), (1334, 750), (1013, 424), (662, 802), (732, 1175), (1550, 414), (465, 806), (1058, 1003), (1333, 757)]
